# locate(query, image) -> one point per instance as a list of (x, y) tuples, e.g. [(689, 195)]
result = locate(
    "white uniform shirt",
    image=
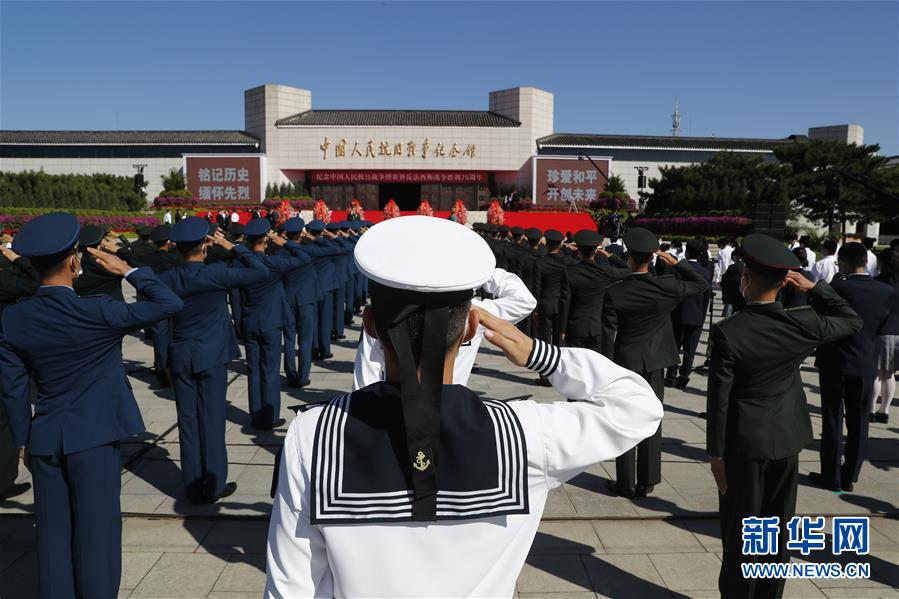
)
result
[(512, 302), (871, 267), (167, 217), (725, 259), (810, 257), (825, 269), (468, 558)]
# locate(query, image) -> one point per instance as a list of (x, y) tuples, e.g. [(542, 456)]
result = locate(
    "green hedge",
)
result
[(79, 212), (37, 189)]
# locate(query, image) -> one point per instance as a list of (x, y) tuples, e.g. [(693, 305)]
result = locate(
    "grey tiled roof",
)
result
[(658, 141), (397, 118), (217, 138)]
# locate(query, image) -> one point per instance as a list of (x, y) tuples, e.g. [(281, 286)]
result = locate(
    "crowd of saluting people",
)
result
[(608, 325)]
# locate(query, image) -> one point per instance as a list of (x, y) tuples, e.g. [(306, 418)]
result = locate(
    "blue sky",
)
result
[(755, 69)]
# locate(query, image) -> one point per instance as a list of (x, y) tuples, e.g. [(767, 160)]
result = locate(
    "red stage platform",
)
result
[(561, 221)]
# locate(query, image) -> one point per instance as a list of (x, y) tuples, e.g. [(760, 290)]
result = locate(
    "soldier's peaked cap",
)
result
[(763, 252), (190, 230), (554, 235), (90, 235), (294, 225), (642, 241), (257, 227), (47, 235), (161, 233), (587, 238)]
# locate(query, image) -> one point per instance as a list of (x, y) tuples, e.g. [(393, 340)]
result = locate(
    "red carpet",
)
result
[(561, 221)]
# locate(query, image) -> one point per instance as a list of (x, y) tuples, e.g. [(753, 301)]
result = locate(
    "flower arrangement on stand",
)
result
[(321, 211), (424, 209), (355, 212), (460, 214), (391, 210), (495, 214)]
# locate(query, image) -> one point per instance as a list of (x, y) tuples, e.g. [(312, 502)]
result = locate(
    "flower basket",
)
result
[(321, 211), (495, 214), (424, 209), (460, 214), (391, 210)]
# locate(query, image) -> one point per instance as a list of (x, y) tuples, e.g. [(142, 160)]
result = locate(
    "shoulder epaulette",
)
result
[(517, 398), (794, 309), (303, 407)]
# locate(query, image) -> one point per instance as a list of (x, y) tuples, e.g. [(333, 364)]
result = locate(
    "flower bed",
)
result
[(695, 225), (118, 223)]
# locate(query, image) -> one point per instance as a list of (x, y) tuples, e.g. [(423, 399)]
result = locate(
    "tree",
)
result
[(831, 181), (726, 182), (173, 181)]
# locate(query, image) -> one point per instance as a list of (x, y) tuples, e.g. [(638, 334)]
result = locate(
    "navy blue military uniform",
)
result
[(326, 267), (203, 342), (302, 291), (72, 347), (263, 321)]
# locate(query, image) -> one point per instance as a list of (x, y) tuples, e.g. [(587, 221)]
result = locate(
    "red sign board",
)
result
[(350, 176), (569, 180), (225, 177)]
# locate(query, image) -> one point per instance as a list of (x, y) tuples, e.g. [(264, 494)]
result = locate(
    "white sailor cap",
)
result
[(424, 254)]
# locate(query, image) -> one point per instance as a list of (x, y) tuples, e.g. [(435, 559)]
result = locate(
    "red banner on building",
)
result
[(449, 177), (225, 177), (569, 180)]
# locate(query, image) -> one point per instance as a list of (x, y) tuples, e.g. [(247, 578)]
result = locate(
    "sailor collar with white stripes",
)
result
[(360, 473)]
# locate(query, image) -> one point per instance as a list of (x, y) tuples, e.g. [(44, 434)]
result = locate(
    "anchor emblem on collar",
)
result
[(421, 462)]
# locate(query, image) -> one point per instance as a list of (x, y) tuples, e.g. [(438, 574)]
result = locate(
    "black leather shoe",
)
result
[(681, 382), (872, 417), (883, 418), (304, 384), (14, 490), (643, 491), (818, 480), (848, 487), (229, 490), (325, 356), (617, 489), (669, 382)]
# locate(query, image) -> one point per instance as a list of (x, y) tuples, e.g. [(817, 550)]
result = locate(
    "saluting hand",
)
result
[(219, 239), (110, 262), (602, 252), (799, 282), (666, 258), (9, 254), (276, 239), (503, 334)]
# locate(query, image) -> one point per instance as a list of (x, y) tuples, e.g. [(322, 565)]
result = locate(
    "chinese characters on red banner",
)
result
[(569, 181), (224, 178), (474, 177)]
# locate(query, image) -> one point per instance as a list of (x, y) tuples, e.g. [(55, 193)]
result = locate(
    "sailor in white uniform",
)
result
[(415, 486), (511, 302)]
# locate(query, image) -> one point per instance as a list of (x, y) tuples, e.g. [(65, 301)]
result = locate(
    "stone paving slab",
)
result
[(590, 544)]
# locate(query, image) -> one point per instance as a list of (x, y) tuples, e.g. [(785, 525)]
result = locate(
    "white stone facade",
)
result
[(294, 150)]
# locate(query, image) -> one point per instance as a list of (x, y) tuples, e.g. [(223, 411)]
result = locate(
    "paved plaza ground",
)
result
[(589, 544)]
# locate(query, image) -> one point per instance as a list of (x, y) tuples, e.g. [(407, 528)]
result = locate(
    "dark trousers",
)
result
[(305, 316), (160, 332), (643, 464), (359, 296), (548, 329), (263, 376), (200, 401), (234, 298), (339, 300), (325, 322), (79, 522), (9, 454), (687, 337), (349, 298), (759, 488), (849, 395), (593, 342)]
